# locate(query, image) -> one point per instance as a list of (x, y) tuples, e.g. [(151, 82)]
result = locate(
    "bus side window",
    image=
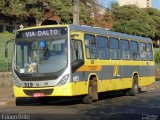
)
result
[(124, 45), (149, 51), (134, 50), (114, 49), (77, 52), (143, 51), (102, 45), (90, 46)]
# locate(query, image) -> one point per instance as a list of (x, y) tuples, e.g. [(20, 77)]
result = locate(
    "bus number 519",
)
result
[(28, 84)]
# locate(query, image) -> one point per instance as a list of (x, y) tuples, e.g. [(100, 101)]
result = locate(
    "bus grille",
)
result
[(45, 91)]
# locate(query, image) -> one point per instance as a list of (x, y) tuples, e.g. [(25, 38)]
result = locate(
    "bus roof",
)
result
[(93, 30), (108, 33)]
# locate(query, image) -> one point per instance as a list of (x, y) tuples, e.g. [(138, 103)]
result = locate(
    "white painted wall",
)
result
[(139, 3)]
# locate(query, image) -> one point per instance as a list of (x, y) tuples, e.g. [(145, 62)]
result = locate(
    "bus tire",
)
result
[(92, 92), (135, 89)]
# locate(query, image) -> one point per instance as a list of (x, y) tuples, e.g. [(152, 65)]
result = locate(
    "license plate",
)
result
[(38, 94)]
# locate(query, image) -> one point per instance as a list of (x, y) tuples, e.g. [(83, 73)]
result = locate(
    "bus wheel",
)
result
[(135, 89), (92, 92)]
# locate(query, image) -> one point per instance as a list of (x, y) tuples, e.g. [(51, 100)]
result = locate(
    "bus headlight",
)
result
[(15, 82), (63, 80)]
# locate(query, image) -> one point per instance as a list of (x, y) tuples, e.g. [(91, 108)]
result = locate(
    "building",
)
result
[(139, 3)]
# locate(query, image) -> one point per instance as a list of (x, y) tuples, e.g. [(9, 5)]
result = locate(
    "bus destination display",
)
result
[(42, 33)]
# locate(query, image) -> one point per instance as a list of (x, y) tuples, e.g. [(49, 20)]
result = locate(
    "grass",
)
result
[(157, 56), (5, 63), (156, 50)]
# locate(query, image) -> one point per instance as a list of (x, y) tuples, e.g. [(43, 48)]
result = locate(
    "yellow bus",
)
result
[(72, 60)]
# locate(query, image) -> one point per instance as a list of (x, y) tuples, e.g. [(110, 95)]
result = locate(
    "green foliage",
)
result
[(1, 5), (155, 15), (133, 20), (14, 7), (157, 57), (44, 9), (5, 63), (113, 6), (85, 15), (39, 9), (64, 9)]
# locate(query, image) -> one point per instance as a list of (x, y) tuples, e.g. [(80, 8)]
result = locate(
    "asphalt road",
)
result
[(145, 106)]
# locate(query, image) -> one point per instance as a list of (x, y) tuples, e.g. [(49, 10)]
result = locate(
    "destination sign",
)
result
[(36, 33)]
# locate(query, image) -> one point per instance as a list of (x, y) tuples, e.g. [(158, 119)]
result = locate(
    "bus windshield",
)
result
[(45, 56), (41, 55)]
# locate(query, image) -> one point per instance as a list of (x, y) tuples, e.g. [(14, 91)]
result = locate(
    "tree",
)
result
[(101, 17), (155, 15), (13, 8), (157, 57), (64, 11), (41, 10), (85, 14), (113, 6), (133, 20), (1, 5)]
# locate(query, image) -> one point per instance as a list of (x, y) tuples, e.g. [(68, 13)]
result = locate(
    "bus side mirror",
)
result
[(6, 52)]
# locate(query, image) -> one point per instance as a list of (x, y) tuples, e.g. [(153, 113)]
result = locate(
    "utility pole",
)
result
[(76, 12)]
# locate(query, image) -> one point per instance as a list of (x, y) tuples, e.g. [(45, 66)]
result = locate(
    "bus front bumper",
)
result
[(64, 90)]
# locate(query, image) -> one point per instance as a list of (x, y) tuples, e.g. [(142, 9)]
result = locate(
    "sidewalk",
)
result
[(6, 96)]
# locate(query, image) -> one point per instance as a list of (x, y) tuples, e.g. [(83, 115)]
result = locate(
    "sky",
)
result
[(106, 3)]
